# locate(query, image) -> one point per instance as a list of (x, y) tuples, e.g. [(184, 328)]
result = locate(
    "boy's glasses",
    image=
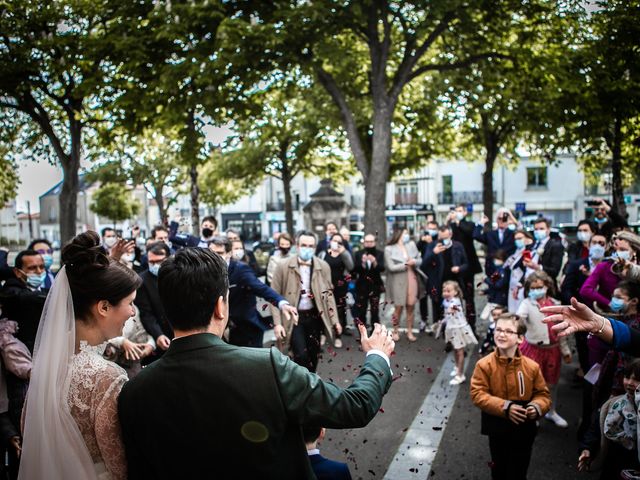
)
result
[(499, 331)]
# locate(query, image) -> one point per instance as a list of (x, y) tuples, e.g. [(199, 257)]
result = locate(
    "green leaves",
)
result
[(114, 202)]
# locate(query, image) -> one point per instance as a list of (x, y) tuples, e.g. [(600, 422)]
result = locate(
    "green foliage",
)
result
[(217, 186), (9, 180), (114, 202)]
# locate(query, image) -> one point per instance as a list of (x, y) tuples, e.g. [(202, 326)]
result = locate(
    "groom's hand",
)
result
[(380, 339)]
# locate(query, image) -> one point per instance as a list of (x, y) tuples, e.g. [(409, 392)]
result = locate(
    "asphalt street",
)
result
[(458, 450)]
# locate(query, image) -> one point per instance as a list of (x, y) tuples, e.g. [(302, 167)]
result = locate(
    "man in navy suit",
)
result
[(502, 238), (443, 259), (323, 468), (247, 328), (209, 228)]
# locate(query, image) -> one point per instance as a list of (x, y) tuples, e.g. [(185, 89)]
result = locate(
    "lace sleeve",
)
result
[(107, 425)]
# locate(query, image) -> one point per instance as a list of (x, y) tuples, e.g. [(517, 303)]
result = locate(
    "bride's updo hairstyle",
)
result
[(94, 276)]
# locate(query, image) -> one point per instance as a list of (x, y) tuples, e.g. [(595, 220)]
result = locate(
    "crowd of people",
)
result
[(145, 315)]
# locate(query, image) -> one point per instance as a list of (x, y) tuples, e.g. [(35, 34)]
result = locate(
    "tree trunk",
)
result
[(376, 183), (288, 204), (617, 190), (195, 200), (487, 180), (162, 209), (68, 200)]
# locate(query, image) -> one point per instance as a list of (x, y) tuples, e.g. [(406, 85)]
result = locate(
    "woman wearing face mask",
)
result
[(340, 262), (603, 280), (541, 342), (624, 304), (580, 248), (516, 270), (402, 260), (283, 252)]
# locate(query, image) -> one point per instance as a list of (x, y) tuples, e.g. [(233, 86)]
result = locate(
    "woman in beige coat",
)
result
[(402, 260)]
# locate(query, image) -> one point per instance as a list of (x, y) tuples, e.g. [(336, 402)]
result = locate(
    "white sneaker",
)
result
[(454, 372), (422, 326), (337, 343), (428, 329), (457, 380), (553, 416)]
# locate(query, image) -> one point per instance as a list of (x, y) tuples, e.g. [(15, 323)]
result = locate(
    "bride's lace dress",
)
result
[(95, 384)]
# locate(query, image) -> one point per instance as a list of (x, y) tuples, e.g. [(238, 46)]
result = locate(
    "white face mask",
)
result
[(129, 257), (238, 254), (109, 242), (334, 245), (584, 236)]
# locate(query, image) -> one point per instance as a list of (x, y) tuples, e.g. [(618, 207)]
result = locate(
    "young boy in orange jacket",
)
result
[(512, 394)]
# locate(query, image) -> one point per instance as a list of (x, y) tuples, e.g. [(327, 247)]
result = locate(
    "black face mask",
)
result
[(370, 250), (207, 232), (284, 250)]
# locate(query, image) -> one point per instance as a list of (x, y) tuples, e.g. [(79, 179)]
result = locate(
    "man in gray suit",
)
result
[(207, 408)]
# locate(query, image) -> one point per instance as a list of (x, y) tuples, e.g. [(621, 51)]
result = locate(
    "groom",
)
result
[(207, 408)]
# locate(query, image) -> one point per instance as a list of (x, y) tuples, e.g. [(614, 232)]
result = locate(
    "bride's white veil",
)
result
[(53, 446)]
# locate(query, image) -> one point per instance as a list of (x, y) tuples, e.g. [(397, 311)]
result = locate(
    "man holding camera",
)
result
[(606, 220), (502, 238)]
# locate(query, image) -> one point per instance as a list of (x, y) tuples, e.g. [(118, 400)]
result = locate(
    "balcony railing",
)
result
[(406, 198), (279, 206), (462, 197)]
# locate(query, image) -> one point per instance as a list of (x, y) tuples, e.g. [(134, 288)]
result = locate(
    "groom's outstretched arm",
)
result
[(308, 398)]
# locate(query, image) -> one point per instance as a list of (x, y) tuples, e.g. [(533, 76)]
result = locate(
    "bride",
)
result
[(71, 427)]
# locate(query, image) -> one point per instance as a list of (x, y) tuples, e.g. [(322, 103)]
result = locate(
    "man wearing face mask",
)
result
[(44, 248), (367, 270), (579, 249), (109, 238), (550, 250), (502, 238), (246, 327), (152, 314), (208, 229), (305, 281), (22, 297), (606, 220), (462, 231), (428, 236), (444, 260)]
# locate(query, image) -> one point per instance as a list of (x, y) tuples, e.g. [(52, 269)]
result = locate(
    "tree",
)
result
[(56, 77), (114, 202), (378, 47), (499, 105), (153, 160), (601, 101), (9, 180), (217, 186), (289, 135)]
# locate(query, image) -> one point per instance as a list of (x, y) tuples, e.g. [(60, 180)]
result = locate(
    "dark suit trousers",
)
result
[(305, 339), (366, 299), (511, 454), (468, 290)]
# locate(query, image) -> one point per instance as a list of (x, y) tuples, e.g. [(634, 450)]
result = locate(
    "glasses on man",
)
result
[(500, 331)]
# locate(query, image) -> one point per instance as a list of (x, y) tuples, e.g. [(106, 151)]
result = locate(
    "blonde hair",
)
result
[(455, 285)]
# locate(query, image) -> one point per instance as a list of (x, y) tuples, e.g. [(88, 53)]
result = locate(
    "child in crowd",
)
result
[(134, 345), (323, 468), (613, 434), (488, 344), (541, 342), (458, 332), (511, 392)]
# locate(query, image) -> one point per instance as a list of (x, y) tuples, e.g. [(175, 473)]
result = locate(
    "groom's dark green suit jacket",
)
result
[(207, 409)]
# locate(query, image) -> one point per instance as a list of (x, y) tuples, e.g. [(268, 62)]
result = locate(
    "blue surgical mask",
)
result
[(623, 254), (617, 304), (34, 280), (154, 269), (596, 251), (406, 238), (432, 233), (537, 293), (600, 220), (519, 243), (512, 227), (48, 261), (446, 242), (540, 235), (306, 253)]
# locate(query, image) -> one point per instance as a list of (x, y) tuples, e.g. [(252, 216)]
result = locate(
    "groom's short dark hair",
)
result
[(190, 284)]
